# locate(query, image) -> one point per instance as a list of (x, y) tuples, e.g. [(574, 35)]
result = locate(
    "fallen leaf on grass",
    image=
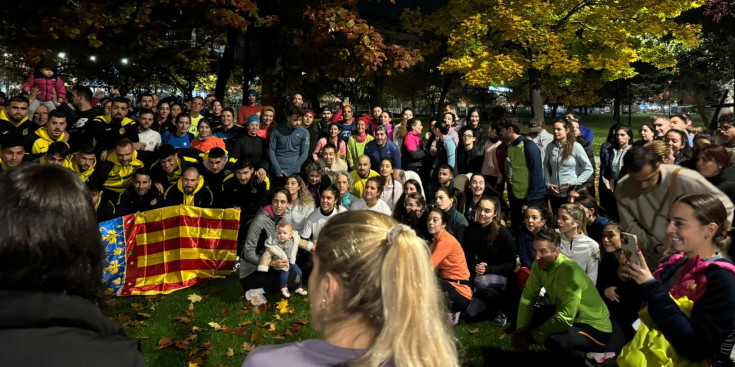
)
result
[(183, 320), (189, 312), (136, 324), (215, 326), (213, 292), (474, 331), (137, 306), (123, 318), (194, 298), (303, 321), (208, 345), (230, 353), (224, 312), (182, 344), (191, 337), (502, 336), (164, 342), (254, 337), (282, 305), (146, 315), (247, 346)]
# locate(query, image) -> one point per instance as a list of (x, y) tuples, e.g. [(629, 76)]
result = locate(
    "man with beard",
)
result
[(580, 321), (12, 152), (250, 109), (216, 165), (54, 131), (190, 191), (120, 167), (325, 122), (140, 196), (107, 130), (80, 116), (360, 176), (242, 190), (55, 155), (14, 118), (382, 148), (169, 167), (84, 164)]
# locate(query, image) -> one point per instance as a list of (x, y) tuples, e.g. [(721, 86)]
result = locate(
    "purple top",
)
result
[(307, 353)]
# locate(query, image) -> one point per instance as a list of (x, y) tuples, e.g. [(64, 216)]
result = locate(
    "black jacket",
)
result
[(249, 197), (48, 329), (130, 202)]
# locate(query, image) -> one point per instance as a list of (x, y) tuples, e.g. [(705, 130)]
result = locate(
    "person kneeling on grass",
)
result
[(285, 248), (580, 322), (375, 299)]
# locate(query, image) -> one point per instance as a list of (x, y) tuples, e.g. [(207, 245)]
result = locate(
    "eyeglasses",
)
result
[(468, 136)]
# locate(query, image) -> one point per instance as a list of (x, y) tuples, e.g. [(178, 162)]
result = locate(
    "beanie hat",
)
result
[(253, 118)]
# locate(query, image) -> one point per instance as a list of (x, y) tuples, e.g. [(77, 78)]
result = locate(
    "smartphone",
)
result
[(563, 188), (630, 247)]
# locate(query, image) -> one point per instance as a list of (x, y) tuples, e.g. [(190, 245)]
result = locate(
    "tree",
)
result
[(511, 40)]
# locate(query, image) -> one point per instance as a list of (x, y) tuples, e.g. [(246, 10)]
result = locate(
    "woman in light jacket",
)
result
[(565, 164)]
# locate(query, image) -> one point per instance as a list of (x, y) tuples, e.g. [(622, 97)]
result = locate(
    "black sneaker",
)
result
[(499, 320)]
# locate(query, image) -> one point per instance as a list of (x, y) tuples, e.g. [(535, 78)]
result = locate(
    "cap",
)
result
[(253, 118), (253, 92), (269, 108), (535, 126)]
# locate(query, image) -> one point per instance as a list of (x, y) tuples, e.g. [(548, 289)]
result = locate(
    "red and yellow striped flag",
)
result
[(167, 249)]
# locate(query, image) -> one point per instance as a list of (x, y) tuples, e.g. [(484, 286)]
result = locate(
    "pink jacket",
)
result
[(45, 85), (412, 142)]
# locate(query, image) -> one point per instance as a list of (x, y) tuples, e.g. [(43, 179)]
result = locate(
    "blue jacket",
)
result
[(586, 133), (575, 170), (376, 153), (288, 149)]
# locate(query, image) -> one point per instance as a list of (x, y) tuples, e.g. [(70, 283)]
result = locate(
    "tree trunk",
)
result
[(443, 96), (537, 101), (226, 64), (713, 123)]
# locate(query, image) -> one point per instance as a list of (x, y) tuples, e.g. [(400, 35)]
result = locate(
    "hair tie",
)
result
[(396, 231)]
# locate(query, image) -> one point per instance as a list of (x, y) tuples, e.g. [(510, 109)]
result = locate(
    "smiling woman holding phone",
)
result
[(690, 297)]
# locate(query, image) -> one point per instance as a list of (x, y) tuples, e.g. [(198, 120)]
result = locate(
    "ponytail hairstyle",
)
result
[(335, 192), (708, 209), (387, 281), (589, 203), (495, 224), (577, 213), (568, 147), (402, 130)]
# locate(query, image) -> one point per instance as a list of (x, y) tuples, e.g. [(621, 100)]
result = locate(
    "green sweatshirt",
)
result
[(355, 149), (572, 293)]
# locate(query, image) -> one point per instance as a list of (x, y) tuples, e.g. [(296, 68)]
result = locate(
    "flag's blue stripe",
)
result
[(113, 239)]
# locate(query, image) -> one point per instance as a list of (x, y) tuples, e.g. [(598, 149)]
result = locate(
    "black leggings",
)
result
[(581, 338), (456, 301)]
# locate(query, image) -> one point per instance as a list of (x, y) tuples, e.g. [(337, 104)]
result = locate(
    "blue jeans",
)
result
[(292, 268)]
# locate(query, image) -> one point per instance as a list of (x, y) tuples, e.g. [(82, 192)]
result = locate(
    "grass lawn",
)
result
[(219, 329)]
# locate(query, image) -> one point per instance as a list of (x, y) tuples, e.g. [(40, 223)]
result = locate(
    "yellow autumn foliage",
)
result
[(493, 42)]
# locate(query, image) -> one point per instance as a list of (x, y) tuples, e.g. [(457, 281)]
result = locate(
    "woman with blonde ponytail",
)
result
[(374, 298)]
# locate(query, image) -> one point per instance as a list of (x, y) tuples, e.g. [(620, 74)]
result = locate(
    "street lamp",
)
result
[(62, 55), (93, 58), (124, 61)]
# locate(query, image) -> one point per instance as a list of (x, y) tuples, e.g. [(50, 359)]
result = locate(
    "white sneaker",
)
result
[(256, 296), (301, 291), (454, 318), (284, 292)]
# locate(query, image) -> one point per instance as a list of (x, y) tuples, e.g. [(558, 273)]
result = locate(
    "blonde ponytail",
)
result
[(392, 285)]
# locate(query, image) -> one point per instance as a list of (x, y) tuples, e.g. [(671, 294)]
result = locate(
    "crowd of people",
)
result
[(504, 224)]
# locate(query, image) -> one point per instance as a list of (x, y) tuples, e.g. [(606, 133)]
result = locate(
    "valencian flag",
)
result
[(162, 250)]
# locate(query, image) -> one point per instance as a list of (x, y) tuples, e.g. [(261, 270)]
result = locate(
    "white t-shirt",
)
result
[(380, 207), (151, 138), (316, 221)]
